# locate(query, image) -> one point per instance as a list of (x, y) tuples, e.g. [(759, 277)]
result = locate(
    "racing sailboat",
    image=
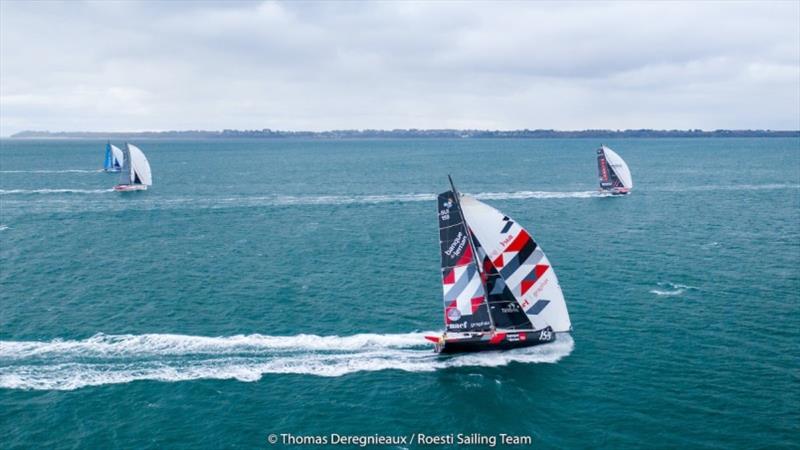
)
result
[(500, 291), (615, 176), (135, 172), (113, 159)]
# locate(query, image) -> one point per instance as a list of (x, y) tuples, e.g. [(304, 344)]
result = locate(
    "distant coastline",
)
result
[(403, 134)]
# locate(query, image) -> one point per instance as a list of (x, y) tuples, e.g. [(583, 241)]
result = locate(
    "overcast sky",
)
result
[(127, 66)]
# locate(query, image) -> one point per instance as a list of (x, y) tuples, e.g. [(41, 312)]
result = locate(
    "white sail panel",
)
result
[(619, 166), (116, 154), (522, 264), (140, 165)]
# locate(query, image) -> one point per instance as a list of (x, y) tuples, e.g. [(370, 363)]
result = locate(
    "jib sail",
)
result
[(522, 265), (465, 307)]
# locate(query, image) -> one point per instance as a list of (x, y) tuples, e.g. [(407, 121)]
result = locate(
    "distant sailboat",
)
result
[(500, 291), (135, 172), (114, 158), (615, 176)]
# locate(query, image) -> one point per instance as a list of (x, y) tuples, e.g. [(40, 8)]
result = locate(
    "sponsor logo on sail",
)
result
[(444, 214), (457, 246), (454, 314)]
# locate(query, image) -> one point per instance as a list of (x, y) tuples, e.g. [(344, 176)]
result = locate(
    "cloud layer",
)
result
[(126, 66)]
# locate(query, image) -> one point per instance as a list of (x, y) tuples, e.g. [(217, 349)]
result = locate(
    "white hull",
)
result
[(130, 187)]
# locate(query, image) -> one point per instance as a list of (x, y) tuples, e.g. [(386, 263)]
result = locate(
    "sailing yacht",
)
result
[(615, 176), (500, 291), (113, 159), (135, 172)]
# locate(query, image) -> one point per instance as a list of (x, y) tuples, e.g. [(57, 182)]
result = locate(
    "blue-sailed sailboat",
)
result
[(114, 158)]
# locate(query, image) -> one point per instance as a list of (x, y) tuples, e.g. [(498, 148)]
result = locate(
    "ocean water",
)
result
[(285, 287)]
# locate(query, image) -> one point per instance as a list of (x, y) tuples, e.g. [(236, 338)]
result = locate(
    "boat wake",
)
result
[(53, 171), (53, 191), (731, 187), (671, 289), (113, 359)]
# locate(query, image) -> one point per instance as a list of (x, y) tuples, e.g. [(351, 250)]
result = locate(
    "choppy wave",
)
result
[(53, 171), (53, 191), (112, 359), (672, 289)]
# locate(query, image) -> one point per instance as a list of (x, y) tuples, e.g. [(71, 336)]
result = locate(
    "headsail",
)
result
[(613, 171), (522, 265), (465, 307), (140, 167), (116, 157), (503, 307)]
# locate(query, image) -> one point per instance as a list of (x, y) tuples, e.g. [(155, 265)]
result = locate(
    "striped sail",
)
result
[(465, 307), (503, 307), (521, 263)]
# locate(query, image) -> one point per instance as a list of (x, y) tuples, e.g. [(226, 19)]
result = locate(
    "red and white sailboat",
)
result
[(615, 176), (500, 291), (135, 172)]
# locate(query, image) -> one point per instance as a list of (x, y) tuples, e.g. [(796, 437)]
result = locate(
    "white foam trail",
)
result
[(3, 227), (522, 195), (676, 289), (107, 359), (54, 191), (366, 199), (168, 203), (137, 345), (731, 187), (53, 171)]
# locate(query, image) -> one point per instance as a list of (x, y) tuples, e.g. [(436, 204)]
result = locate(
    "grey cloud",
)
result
[(324, 65)]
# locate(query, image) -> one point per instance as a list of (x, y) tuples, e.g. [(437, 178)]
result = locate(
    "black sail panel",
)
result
[(465, 307)]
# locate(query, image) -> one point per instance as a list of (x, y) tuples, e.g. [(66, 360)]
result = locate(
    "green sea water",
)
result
[(270, 286)]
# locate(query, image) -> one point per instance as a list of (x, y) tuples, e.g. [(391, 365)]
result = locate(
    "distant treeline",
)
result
[(266, 133)]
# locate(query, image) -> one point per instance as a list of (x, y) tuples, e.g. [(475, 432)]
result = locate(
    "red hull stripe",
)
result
[(497, 338)]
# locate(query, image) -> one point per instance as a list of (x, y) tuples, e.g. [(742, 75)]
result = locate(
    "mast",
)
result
[(474, 253)]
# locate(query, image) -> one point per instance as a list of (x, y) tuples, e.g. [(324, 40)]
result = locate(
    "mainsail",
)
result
[(126, 171), (465, 307), (523, 267), (613, 171)]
